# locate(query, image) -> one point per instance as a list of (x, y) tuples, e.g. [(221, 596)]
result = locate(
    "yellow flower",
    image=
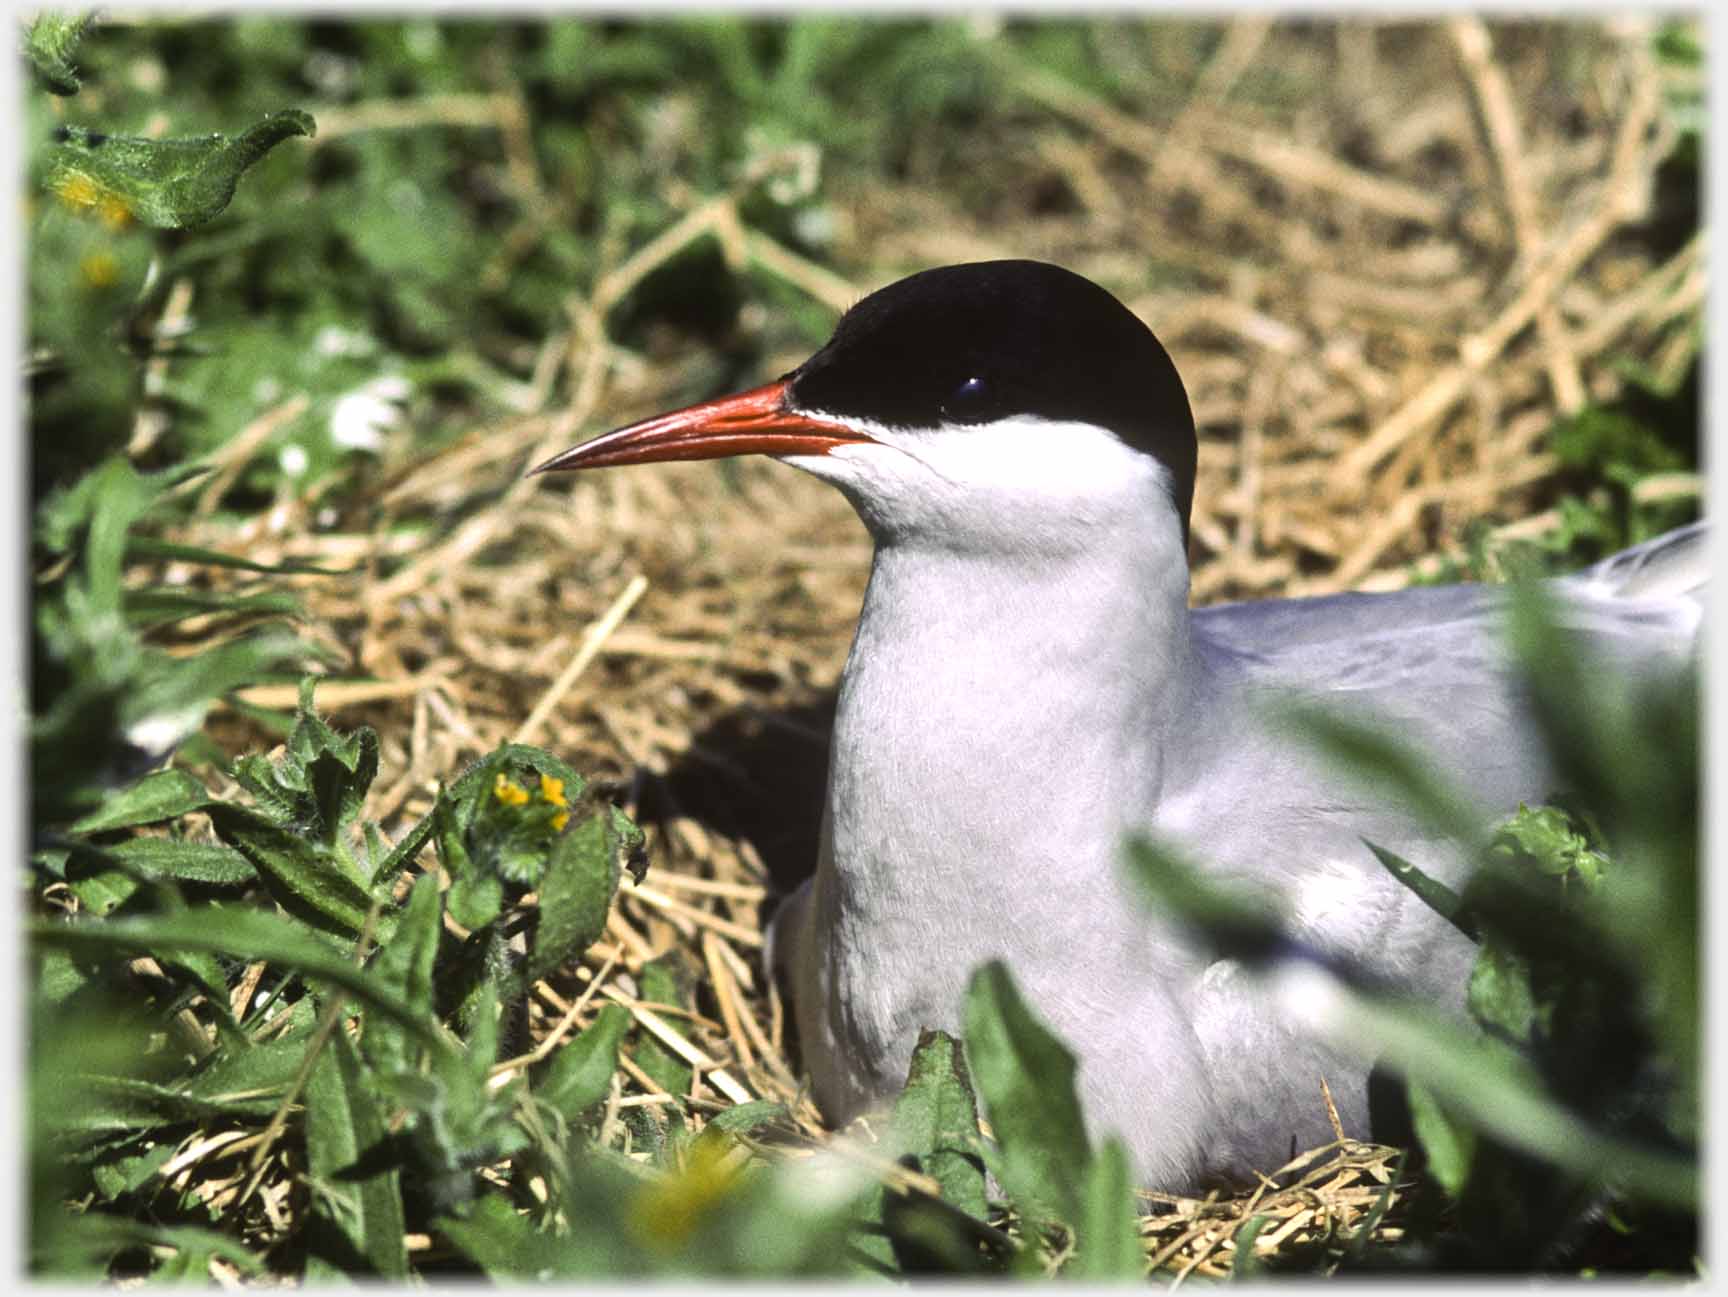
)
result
[(552, 790), (560, 820), (115, 211), (507, 792), (99, 269), (78, 190), (665, 1213)]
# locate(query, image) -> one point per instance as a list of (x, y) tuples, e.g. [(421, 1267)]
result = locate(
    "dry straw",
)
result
[(1375, 343)]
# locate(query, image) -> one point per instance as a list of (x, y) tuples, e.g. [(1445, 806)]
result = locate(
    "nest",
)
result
[(1379, 315)]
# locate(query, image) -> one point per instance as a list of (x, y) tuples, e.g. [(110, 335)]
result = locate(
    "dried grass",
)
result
[(1378, 316)]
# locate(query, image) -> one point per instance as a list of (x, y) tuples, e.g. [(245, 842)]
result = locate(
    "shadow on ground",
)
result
[(756, 774)]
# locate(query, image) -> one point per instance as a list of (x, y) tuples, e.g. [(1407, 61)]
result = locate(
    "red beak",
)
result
[(757, 422)]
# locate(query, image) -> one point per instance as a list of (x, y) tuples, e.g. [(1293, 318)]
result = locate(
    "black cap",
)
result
[(991, 339)]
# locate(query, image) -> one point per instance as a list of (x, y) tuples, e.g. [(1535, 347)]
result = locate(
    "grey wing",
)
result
[(1643, 601)]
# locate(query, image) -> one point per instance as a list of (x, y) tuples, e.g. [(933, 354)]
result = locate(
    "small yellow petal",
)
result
[(560, 820), (552, 790), (115, 212), (78, 190), (99, 269), (666, 1212)]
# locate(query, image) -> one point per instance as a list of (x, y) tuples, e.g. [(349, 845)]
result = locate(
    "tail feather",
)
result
[(1674, 565)]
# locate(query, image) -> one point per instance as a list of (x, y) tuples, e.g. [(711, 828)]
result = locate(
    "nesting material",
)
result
[(1378, 319)]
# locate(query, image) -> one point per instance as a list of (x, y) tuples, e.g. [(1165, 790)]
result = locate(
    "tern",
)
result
[(1028, 684)]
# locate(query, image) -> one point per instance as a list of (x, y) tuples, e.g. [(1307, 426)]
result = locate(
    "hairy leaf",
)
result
[(190, 862), (405, 966), (660, 986), (936, 1120), (150, 547), (363, 1209), (240, 933), (165, 795), (575, 895), (166, 183), (580, 1073), (50, 42), (506, 1245), (308, 882)]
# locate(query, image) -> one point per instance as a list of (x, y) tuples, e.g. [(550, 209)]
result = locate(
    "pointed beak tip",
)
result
[(756, 422)]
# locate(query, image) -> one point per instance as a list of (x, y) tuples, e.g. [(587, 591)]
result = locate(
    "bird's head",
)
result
[(994, 404)]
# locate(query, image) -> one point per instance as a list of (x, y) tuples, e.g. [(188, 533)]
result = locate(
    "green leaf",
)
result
[(190, 862), (340, 781), (154, 606), (115, 1233), (505, 1244), (1374, 755), (1026, 1077), (1434, 894), (333, 771), (118, 498), (936, 1120), (580, 1074), (100, 888), (149, 547), (1487, 1084), (125, 1103), (1544, 838), (575, 895), (165, 795), (1246, 1264), (166, 183), (184, 682), (255, 1074), (659, 985), (362, 1210), (483, 1032), (1449, 1143), (308, 882), (240, 933), (741, 1118), (1239, 924), (403, 853), (476, 899), (405, 966), (50, 42), (118, 1175), (1109, 1224), (1501, 997)]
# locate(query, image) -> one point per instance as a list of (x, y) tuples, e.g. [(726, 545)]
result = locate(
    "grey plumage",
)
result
[(1027, 685), (1006, 716)]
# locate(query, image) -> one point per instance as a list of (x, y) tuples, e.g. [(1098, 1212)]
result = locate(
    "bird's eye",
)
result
[(970, 401)]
